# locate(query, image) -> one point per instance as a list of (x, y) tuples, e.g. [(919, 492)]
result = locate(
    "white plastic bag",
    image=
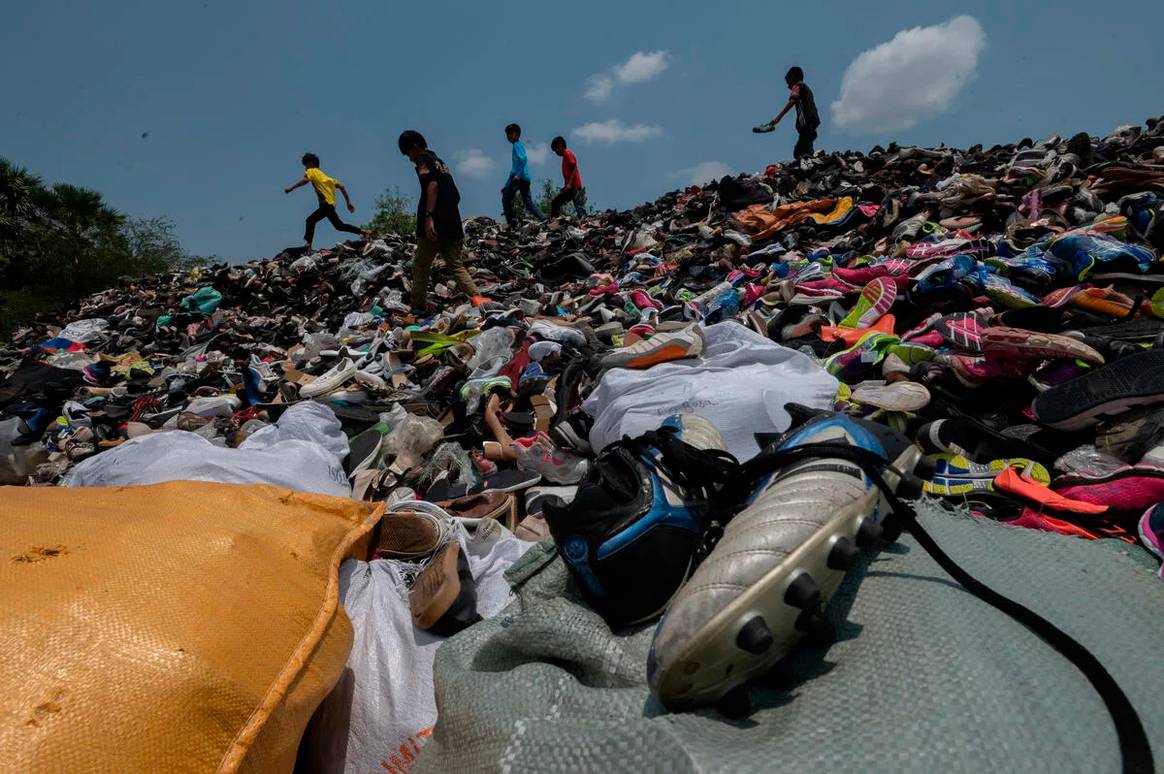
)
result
[(301, 451), (384, 708), (305, 421), (18, 462), (740, 384), (84, 331)]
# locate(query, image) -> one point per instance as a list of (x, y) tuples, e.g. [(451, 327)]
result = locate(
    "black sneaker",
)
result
[(631, 534)]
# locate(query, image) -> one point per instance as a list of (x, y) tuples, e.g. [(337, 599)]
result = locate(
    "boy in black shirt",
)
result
[(438, 223), (807, 119)]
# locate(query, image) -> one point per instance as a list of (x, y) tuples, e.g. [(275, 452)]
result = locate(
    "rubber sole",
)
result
[(895, 396), (1136, 380), (762, 625), (407, 536), (436, 588), (956, 475), (1031, 344), (664, 354)]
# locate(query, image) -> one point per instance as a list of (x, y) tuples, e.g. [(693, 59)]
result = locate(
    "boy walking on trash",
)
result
[(518, 180), (572, 191), (325, 188), (807, 119), (438, 223)]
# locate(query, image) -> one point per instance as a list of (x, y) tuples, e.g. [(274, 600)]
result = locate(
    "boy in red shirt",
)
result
[(572, 192)]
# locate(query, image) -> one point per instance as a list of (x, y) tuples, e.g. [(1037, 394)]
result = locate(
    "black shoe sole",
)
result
[(1136, 380)]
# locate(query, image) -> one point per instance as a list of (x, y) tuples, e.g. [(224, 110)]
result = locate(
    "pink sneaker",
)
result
[(863, 275), (1152, 531), (1032, 345), (539, 454), (1129, 489), (643, 301)]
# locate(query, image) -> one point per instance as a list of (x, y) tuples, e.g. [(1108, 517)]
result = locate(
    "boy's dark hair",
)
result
[(310, 160), (514, 129), (794, 75), (410, 138), (558, 141)]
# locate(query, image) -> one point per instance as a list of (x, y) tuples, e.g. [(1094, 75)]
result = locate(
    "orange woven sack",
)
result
[(185, 626)]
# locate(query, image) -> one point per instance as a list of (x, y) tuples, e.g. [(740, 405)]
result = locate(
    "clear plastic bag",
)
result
[(491, 345), (410, 436), (451, 458), (1088, 461)]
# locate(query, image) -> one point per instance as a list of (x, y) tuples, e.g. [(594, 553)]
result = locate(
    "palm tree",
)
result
[(18, 192), (80, 213)]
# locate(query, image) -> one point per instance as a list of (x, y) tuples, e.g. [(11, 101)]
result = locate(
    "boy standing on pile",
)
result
[(572, 191), (325, 191), (438, 223), (519, 179), (807, 119)]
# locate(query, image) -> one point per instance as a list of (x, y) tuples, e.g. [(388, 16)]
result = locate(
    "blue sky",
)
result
[(232, 93)]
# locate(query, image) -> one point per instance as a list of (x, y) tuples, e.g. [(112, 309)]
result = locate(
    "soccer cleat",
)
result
[(764, 585), (630, 535), (660, 348)]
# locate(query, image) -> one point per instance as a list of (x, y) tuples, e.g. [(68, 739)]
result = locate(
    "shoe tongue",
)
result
[(616, 475)]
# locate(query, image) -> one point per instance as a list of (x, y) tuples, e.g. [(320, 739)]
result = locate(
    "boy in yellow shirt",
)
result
[(325, 191)]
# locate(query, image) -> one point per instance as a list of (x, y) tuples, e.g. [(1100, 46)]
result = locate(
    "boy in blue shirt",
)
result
[(518, 180)]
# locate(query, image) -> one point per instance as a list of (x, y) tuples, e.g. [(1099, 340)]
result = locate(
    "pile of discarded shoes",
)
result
[(1004, 307)]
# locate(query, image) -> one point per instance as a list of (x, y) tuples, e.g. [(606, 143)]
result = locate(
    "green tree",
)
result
[(543, 195), (61, 242), (18, 192), (393, 214)]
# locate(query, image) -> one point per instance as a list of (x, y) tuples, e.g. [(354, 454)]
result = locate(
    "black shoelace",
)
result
[(703, 473), (1135, 749)]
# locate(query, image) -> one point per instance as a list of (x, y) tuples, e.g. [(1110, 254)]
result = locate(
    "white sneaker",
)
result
[(894, 396), (562, 334), (660, 348), (337, 377)]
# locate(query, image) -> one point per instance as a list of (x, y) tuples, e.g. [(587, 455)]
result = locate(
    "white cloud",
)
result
[(911, 78), (538, 152), (641, 66), (472, 162), (615, 131), (598, 88), (703, 172)]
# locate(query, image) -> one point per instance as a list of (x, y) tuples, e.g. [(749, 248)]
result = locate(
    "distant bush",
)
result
[(394, 214)]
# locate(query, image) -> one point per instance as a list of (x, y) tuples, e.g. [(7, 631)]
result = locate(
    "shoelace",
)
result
[(701, 472), (1135, 749)]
